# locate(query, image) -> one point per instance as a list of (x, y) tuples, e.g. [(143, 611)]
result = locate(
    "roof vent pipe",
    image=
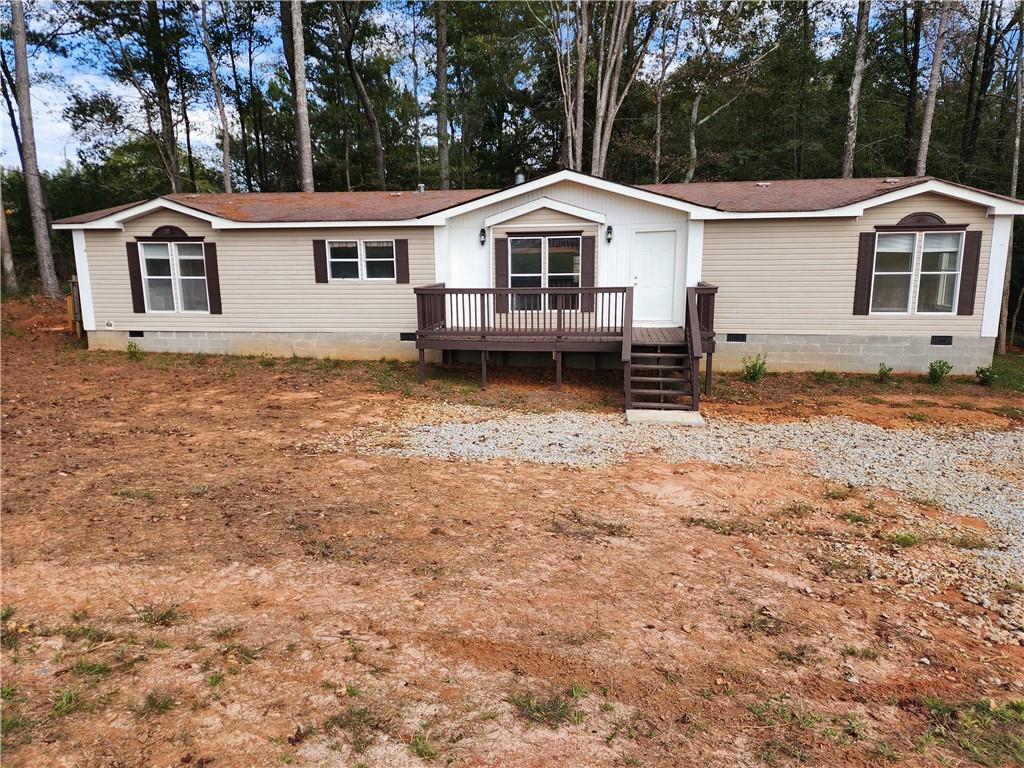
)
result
[(421, 187)]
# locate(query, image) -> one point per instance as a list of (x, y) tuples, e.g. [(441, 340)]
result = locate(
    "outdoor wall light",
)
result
[(483, 236), (608, 234)]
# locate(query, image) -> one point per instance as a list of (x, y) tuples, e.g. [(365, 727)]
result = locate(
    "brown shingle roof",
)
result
[(798, 195)]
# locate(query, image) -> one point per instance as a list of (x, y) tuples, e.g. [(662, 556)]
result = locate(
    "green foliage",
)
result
[(884, 373), (938, 370), (986, 376), (755, 368), (134, 351)]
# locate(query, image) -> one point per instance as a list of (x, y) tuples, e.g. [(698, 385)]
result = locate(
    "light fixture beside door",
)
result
[(608, 233)]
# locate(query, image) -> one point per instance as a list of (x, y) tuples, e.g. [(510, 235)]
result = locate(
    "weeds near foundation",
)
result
[(755, 368)]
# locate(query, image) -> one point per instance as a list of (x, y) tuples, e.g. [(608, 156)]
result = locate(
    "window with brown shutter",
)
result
[(501, 273)]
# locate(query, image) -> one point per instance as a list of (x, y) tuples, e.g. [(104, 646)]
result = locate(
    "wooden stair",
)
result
[(659, 376)]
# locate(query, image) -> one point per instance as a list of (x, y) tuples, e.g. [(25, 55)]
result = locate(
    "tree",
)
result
[(853, 111), (933, 89), (7, 255), (30, 164), (441, 26), (347, 17), (567, 28), (225, 132), (1006, 333), (618, 39), (302, 135), (912, 59), (670, 37), (414, 8)]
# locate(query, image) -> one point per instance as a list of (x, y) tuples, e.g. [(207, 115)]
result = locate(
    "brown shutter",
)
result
[(969, 272), (135, 278), (320, 260), (587, 272), (212, 277), (501, 273), (865, 269), (401, 261)]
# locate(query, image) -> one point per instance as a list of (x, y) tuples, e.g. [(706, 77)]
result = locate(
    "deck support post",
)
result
[(483, 369), (423, 366), (558, 371), (707, 374)]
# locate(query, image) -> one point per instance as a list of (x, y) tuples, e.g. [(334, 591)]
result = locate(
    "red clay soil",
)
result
[(181, 586)]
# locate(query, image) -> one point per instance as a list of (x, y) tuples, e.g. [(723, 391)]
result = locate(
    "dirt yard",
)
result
[(237, 562)]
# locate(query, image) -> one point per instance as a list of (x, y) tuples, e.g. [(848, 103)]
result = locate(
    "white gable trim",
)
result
[(548, 203), (1001, 228)]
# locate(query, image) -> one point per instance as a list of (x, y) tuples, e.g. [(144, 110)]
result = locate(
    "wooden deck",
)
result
[(658, 336)]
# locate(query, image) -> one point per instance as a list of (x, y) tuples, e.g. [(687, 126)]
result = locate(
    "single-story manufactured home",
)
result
[(839, 274)]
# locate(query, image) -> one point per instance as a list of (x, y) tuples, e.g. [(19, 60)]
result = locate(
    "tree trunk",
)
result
[(347, 29), (694, 124), (7, 87), (240, 108), (416, 91), (30, 165), (441, 25), (972, 79), (302, 136), (800, 145), (1006, 333), (225, 133), (993, 38), (7, 256), (658, 99), (161, 73), (933, 89), (863, 17), (912, 55)]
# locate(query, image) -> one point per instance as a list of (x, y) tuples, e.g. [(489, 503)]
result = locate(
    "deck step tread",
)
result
[(640, 405), (658, 354), (648, 366), (659, 380), (662, 392)]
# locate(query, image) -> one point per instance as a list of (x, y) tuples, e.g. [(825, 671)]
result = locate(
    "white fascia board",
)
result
[(84, 282), (1001, 227), (566, 175), (116, 220), (544, 202)]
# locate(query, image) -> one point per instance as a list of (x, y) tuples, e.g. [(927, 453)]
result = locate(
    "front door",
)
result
[(653, 263)]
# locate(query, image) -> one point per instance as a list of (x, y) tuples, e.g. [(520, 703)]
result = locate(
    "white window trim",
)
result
[(361, 261), (545, 273), (916, 262), (175, 278)]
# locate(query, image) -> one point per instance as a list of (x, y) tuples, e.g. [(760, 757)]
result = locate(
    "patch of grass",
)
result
[(902, 539), (157, 614), (968, 541), (351, 690), (267, 362), (1009, 371), (917, 416), (8, 691), (65, 701), (854, 517), (799, 509), (421, 746), (584, 637), (88, 633), (360, 724), (735, 527), (235, 653), (552, 711), (778, 747), (798, 655), (779, 711), (156, 703), (884, 751), (225, 632), (865, 653), (825, 377), (839, 492), (138, 494), (988, 732), (84, 668), (214, 679), (319, 549), (762, 622)]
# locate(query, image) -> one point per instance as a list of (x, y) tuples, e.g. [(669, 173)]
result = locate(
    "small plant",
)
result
[(552, 712), (157, 614), (755, 368), (859, 652), (903, 539), (352, 690), (917, 416), (134, 351), (884, 373), (421, 747), (825, 377), (986, 376), (85, 668), (156, 703), (214, 679), (798, 656), (65, 701), (938, 370), (854, 517)]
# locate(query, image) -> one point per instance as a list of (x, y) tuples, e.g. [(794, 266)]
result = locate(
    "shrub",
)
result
[(938, 370), (755, 368), (986, 376), (884, 373), (134, 351)]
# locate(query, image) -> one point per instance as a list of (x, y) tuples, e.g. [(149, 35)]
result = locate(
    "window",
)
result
[(361, 260), (174, 277), (940, 270), (545, 262), (898, 271), (894, 266)]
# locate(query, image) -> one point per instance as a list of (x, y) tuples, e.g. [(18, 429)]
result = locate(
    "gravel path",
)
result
[(968, 471)]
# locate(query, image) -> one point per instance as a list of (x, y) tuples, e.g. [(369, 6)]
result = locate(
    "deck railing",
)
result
[(522, 312)]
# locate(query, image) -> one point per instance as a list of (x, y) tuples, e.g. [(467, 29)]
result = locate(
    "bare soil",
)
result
[(181, 586)]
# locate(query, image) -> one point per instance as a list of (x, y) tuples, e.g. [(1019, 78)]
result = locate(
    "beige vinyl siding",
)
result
[(797, 276), (266, 280)]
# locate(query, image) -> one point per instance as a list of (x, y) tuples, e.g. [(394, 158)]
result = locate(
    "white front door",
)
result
[(653, 263)]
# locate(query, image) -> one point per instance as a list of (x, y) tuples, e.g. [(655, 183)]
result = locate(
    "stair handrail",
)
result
[(627, 324), (692, 322)]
